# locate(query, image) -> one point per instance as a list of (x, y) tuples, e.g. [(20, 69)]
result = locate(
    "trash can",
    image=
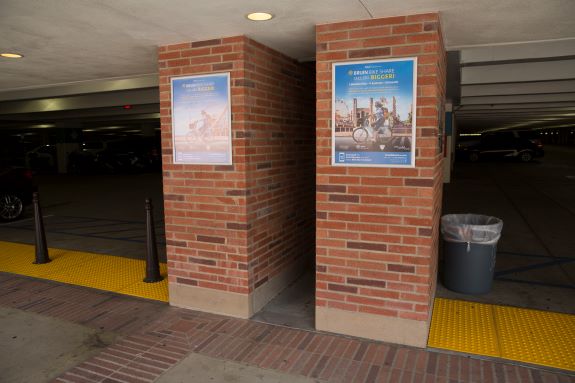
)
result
[(470, 247)]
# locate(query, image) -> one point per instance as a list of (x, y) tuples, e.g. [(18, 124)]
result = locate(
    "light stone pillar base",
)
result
[(387, 329), (235, 304)]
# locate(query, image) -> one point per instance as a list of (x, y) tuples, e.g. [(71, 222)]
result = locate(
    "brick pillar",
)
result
[(377, 228), (237, 235)]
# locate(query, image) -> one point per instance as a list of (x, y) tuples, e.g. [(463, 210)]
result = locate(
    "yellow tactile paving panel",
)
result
[(463, 325), (157, 291), (104, 272), (529, 336), (537, 337)]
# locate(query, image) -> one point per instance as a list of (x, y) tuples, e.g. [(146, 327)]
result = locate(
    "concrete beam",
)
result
[(488, 107), (87, 122), (533, 114), (500, 119), (453, 89), (87, 101), (83, 87), (519, 72), (524, 51), (107, 113), (518, 88), (521, 99)]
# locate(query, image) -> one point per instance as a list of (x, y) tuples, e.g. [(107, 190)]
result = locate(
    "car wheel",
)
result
[(526, 156), (473, 156), (11, 207)]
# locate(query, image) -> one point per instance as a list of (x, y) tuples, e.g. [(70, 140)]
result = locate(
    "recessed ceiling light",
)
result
[(43, 126), (11, 55), (260, 16)]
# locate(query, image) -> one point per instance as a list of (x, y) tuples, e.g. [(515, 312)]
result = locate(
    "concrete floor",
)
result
[(156, 342), (97, 213), (293, 307), (535, 265), (36, 348), (201, 368), (535, 262)]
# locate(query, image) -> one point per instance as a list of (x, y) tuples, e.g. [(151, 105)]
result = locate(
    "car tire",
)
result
[(526, 156), (11, 207), (473, 156)]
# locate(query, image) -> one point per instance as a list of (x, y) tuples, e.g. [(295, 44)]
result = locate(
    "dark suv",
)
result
[(520, 145)]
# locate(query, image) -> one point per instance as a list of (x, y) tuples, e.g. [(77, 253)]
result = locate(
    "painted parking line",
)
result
[(23, 220), (91, 228), (542, 265), (523, 254), (548, 262), (537, 283)]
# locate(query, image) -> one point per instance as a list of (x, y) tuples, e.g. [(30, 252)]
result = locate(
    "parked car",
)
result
[(84, 160), (16, 188), (42, 158), (518, 145), (130, 155)]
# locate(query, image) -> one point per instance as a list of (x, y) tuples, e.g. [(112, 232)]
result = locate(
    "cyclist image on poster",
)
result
[(373, 113), (201, 119), (200, 131)]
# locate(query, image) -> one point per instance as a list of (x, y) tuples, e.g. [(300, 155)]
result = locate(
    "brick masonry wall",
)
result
[(377, 228), (280, 165), (232, 228)]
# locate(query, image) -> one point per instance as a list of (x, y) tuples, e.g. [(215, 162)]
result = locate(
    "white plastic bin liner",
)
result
[(471, 228)]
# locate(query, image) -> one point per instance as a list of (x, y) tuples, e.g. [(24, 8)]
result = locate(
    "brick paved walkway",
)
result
[(155, 337)]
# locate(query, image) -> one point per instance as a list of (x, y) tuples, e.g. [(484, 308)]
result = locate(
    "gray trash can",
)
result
[(470, 247)]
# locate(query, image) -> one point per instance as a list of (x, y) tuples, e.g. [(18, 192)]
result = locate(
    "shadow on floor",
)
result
[(293, 307)]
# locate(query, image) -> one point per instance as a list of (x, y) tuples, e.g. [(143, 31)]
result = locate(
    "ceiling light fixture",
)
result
[(260, 16), (9, 55)]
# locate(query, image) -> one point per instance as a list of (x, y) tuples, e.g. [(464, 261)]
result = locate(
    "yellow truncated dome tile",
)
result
[(524, 335), (529, 336), (157, 290), (19, 259), (104, 272), (464, 327), (537, 337)]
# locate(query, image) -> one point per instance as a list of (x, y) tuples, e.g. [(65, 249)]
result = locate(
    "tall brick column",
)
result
[(377, 228), (237, 235)]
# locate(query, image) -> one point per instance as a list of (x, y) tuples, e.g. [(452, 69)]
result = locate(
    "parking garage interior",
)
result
[(534, 264), (95, 149), (538, 244), (96, 158), (506, 89)]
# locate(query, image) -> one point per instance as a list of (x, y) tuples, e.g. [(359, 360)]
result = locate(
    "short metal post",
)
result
[(40, 235), (152, 262)]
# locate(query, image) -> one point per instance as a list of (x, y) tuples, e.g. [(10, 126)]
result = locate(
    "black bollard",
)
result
[(40, 235), (152, 262)]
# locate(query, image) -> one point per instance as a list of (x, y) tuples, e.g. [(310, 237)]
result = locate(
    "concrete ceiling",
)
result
[(517, 86), (71, 41)]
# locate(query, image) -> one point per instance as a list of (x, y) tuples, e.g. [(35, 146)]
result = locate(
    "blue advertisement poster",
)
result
[(373, 113), (201, 123)]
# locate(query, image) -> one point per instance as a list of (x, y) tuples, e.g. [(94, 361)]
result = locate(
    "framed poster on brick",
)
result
[(373, 113), (201, 119)]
